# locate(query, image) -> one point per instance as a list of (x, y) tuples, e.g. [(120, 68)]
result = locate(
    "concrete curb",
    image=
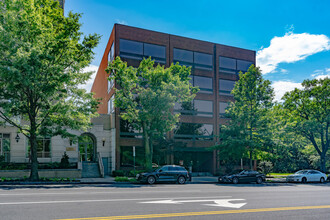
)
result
[(279, 181)]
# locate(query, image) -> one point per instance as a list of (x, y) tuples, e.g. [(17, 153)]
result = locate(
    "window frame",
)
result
[(194, 112), (202, 90), (3, 152), (43, 153), (111, 105), (194, 64), (230, 70), (226, 92), (136, 56), (222, 114), (134, 134), (194, 137)]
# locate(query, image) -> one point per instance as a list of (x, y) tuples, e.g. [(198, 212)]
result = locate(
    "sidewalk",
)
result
[(110, 180), (195, 180)]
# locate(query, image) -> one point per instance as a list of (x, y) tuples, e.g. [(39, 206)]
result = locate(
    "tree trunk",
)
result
[(148, 163), (34, 176), (323, 168), (151, 149), (251, 166)]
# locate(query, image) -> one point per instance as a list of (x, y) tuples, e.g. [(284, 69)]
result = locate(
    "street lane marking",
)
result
[(100, 200), (218, 202), (87, 193), (167, 215)]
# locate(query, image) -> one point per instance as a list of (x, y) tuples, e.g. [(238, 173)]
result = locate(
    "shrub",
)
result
[(122, 179), (265, 167), (65, 161), (132, 174), (116, 173)]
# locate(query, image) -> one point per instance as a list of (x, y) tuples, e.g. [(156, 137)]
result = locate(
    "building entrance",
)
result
[(87, 147)]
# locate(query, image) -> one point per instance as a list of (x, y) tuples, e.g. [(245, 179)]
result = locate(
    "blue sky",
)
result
[(291, 38)]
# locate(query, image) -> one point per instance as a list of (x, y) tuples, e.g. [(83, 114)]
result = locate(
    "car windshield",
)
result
[(235, 172), (302, 172), (164, 168)]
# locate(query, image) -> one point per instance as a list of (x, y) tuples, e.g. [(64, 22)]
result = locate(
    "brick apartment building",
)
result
[(214, 69)]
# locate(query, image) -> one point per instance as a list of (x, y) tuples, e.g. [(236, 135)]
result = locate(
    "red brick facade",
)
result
[(170, 42)]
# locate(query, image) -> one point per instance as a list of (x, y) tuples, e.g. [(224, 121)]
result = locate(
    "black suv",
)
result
[(167, 173), (245, 176)]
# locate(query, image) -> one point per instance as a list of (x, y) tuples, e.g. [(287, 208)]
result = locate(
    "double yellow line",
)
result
[(167, 215)]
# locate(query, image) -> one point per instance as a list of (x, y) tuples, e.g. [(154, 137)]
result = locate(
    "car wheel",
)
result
[(151, 180), (235, 180), (322, 180), (259, 180), (219, 180), (304, 180), (181, 180)]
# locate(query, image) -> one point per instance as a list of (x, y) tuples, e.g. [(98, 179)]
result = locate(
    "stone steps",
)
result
[(90, 170)]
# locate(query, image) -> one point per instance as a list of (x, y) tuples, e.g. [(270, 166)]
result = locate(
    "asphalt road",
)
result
[(166, 201)]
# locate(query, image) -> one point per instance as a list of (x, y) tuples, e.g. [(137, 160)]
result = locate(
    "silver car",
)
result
[(304, 176)]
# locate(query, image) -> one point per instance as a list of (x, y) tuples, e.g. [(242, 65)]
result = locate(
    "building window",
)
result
[(5, 147), (201, 108), (227, 63), (233, 66), (131, 49), (194, 131), (111, 83), (138, 50), (156, 52), (194, 59), (112, 53), (222, 108), (43, 148), (243, 65), (185, 57), (205, 84), (127, 130), (226, 86), (111, 105)]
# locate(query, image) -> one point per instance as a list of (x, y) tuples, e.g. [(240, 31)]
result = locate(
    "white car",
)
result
[(304, 176)]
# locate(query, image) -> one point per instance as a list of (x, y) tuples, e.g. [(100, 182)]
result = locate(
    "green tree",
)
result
[(42, 57), (287, 152), (247, 131), (147, 96), (308, 114)]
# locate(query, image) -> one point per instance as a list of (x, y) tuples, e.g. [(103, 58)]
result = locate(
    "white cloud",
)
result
[(89, 83), (281, 87), (290, 48), (121, 22), (284, 71), (321, 74)]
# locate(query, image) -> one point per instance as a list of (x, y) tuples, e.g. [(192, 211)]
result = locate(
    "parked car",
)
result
[(167, 173), (305, 176), (245, 176)]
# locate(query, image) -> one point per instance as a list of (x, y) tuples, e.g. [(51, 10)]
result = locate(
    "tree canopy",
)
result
[(308, 114), (146, 96), (42, 56), (247, 130)]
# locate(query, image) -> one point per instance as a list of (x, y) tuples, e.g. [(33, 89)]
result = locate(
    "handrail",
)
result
[(100, 164)]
